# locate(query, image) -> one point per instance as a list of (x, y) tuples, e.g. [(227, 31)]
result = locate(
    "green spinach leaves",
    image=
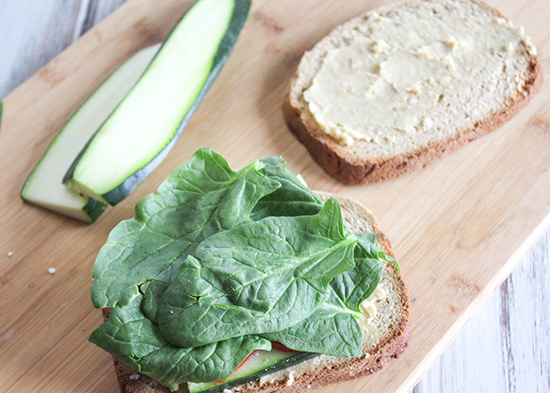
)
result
[(217, 263), (256, 278), (132, 338), (201, 197)]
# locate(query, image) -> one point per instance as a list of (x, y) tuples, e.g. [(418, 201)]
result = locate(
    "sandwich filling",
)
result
[(219, 264)]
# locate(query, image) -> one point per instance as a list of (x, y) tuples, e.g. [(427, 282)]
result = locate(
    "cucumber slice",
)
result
[(260, 364), (144, 127), (44, 185)]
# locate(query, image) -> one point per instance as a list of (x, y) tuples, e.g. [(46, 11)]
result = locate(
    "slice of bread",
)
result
[(385, 336), (391, 90)]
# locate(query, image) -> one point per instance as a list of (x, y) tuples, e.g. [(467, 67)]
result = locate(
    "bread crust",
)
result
[(343, 369), (336, 160)]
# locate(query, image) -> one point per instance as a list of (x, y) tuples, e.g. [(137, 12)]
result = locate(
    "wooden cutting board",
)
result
[(458, 227)]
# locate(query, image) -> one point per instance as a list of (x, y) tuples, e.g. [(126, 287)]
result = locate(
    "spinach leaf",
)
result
[(357, 284), (201, 197), (368, 243), (135, 340), (331, 330), (258, 277), (292, 199)]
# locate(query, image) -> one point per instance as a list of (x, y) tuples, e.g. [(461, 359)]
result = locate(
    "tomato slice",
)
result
[(274, 345), (240, 365), (280, 347)]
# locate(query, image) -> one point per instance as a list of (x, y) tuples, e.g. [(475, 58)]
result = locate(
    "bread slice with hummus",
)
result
[(386, 331), (391, 90)]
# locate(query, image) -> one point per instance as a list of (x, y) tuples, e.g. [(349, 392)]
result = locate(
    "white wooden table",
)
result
[(504, 348)]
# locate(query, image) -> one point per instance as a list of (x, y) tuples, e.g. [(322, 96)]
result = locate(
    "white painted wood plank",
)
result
[(96, 10), (32, 32), (525, 322)]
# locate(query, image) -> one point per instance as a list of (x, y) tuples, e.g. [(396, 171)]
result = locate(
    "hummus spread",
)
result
[(369, 307), (387, 75)]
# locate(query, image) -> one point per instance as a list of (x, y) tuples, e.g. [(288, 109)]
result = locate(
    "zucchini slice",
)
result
[(44, 185), (144, 127), (264, 363)]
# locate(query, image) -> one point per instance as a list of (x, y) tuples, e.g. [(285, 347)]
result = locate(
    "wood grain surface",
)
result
[(458, 227)]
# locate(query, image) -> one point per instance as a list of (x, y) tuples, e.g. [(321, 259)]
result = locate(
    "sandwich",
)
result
[(247, 281)]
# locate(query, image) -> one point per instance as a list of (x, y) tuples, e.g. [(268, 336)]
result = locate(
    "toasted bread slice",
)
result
[(389, 91), (385, 335)]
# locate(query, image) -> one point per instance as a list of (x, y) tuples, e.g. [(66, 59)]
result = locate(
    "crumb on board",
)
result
[(52, 270), (9, 254)]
